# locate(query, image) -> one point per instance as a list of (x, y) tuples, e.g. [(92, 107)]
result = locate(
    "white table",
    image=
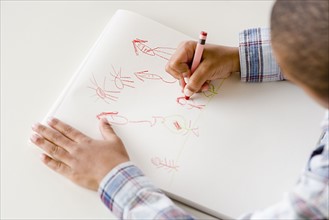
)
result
[(42, 44)]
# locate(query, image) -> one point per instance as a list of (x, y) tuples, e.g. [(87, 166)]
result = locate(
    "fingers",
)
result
[(57, 166), (53, 136), (182, 83), (181, 69), (198, 81), (179, 64), (106, 129), (67, 130), (52, 149)]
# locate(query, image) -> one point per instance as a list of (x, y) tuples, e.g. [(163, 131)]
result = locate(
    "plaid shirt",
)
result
[(129, 194), (257, 62)]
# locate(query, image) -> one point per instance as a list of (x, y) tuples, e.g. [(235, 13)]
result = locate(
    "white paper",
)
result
[(216, 149)]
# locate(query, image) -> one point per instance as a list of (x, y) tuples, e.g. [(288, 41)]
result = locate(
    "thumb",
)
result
[(197, 80), (106, 129)]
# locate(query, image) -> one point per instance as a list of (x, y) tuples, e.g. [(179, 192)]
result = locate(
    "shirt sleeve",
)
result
[(257, 62), (129, 194), (309, 197)]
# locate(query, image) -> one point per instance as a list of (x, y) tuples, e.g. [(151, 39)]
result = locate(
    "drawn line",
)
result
[(101, 92), (162, 52), (169, 165), (174, 123), (183, 146)]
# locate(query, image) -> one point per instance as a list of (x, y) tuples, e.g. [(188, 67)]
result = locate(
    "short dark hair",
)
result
[(299, 29)]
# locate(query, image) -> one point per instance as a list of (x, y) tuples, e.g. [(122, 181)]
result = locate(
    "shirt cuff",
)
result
[(257, 62), (121, 185), (110, 174)]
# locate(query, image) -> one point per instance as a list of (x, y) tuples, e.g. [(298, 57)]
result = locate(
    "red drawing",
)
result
[(142, 75), (187, 128), (188, 103), (177, 125), (162, 52), (101, 91), (174, 123), (121, 81), (169, 165), (116, 119)]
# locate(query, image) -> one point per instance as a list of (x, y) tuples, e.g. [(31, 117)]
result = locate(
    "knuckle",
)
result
[(56, 137), (37, 140), (54, 121), (40, 128), (67, 129), (188, 44), (54, 150), (179, 67), (59, 166), (185, 43), (176, 63)]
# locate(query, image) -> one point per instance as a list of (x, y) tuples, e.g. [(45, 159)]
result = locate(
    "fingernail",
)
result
[(35, 126), (188, 92), (34, 138), (43, 157)]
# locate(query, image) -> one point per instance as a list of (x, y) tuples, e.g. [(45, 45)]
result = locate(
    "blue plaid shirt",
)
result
[(257, 62), (129, 194)]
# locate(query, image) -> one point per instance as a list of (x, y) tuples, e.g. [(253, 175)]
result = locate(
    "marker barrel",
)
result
[(199, 51), (196, 61)]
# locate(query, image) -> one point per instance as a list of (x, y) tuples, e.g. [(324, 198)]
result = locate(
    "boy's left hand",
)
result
[(83, 160)]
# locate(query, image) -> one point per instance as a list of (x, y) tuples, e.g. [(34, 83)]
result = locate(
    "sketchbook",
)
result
[(195, 150)]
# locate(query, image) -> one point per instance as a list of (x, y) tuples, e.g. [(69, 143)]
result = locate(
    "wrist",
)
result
[(235, 57), (105, 172)]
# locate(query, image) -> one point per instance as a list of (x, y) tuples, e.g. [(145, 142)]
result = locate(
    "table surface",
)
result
[(42, 44)]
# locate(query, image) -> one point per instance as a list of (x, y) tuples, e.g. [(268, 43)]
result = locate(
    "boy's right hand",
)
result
[(216, 62)]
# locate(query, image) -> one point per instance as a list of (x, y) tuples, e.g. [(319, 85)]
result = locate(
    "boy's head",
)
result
[(299, 32)]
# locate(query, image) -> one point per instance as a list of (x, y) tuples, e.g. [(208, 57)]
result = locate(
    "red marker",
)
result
[(196, 60)]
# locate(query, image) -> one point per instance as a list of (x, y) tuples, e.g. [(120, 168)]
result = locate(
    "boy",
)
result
[(299, 32)]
